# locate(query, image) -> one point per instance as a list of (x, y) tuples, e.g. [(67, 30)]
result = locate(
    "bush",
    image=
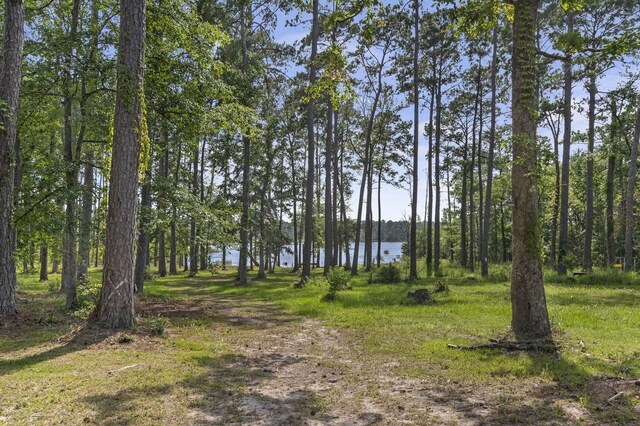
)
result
[(149, 275), (157, 325), (54, 286), (389, 274), (88, 296), (338, 279)]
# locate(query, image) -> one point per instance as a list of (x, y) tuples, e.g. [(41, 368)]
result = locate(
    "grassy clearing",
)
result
[(53, 368)]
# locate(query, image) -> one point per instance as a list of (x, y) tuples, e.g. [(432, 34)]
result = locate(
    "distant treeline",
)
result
[(391, 231)]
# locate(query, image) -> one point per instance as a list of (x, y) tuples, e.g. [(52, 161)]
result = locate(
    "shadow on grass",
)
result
[(620, 298), (226, 310), (572, 395), (75, 341), (223, 394)]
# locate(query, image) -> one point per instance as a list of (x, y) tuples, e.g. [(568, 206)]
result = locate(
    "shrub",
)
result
[(389, 274), (88, 296), (149, 275), (54, 286), (157, 325), (338, 280)]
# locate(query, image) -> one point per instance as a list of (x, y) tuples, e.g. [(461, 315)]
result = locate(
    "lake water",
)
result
[(389, 253)]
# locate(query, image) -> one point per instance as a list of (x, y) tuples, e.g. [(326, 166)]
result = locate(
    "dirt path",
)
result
[(289, 370)]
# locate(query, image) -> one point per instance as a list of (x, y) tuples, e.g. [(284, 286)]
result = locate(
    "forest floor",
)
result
[(208, 352)]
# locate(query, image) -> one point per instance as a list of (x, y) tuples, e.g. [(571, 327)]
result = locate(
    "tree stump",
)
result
[(421, 296)]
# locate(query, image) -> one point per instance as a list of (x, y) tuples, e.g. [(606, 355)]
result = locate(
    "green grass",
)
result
[(596, 309), (44, 373)]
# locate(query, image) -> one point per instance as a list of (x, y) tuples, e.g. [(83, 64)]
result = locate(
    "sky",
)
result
[(396, 201)]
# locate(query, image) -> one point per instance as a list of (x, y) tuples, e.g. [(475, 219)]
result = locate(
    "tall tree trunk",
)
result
[(142, 252), (368, 231), (566, 156), (164, 172), (70, 241), (366, 173), (294, 193), (610, 185), (173, 250), (610, 222), (87, 210), (246, 164), (10, 74), (430, 186), (413, 240), (328, 189), (311, 148), (356, 245), (193, 246), (379, 254), (478, 242), (528, 303), (343, 211), (472, 221), (503, 234), (463, 205), (631, 192), (44, 261), (336, 258), (116, 306), (484, 243), (204, 262), (556, 201), (436, 225), (587, 262), (266, 190)]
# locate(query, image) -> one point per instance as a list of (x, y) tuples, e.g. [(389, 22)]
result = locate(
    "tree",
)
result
[(10, 75), (413, 242), (566, 155), (528, 303), (631, 195), (484, 238), (311, 148), (116, 308)]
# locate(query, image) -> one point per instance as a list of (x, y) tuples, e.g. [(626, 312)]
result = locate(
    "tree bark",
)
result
[(87, 211), (44, 260), (336, 258), (610, 222), (10, 73), (484, 243), (566, 156), (463, 205), (116, 307), (164, 172), (193, 247), (173, 253), (528, 304), (328, 189), (311, 148), (436, 224), (142, 252), (413, 241), (587, 262), (430, 186), (70, 241), (294, 187), (631, 192), (246, 165)]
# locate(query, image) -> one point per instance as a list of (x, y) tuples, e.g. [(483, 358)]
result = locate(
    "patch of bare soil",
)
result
[(298, 371)]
